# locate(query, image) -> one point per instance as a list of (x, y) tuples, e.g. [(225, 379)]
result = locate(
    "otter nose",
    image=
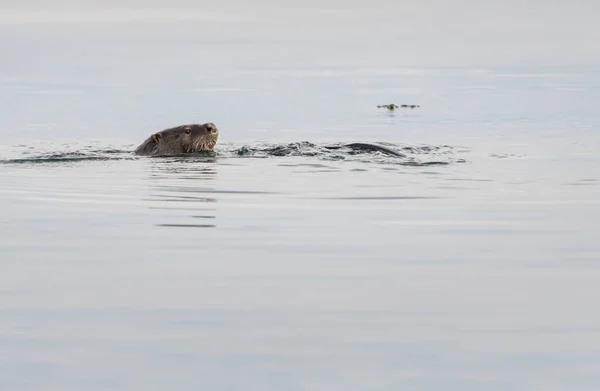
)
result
[(210, 127)]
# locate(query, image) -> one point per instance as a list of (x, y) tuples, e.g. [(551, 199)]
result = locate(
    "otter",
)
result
[(191, 138), (180, 139)]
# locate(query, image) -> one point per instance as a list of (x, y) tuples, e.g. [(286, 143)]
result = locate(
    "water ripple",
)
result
[(381, 152)]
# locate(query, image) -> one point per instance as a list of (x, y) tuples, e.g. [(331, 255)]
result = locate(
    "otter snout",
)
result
[(211, 128)]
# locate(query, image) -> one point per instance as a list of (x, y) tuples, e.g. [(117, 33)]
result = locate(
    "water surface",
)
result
[(301, 270)]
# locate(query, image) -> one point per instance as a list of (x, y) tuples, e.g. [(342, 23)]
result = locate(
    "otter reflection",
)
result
[(182, 192)]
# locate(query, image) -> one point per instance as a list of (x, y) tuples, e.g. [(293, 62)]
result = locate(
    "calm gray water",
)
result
[(308, 271)]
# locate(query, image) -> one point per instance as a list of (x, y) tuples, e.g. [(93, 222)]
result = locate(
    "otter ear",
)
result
[(156, 136)]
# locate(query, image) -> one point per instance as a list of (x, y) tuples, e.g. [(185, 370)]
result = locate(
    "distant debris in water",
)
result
[(393, 107)]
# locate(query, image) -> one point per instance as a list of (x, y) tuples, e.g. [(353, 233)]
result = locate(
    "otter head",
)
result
[(197, 138), (181, 139), (187, 138)]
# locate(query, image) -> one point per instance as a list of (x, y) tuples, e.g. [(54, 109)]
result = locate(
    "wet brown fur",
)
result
[(180, 140)]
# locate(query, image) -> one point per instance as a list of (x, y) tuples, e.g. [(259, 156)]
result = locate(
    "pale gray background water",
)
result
[(300, 273)]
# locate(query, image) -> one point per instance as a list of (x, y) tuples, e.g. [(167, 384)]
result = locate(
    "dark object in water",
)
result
[(368, 147), (390, 107), (393, 107), (180, 139)]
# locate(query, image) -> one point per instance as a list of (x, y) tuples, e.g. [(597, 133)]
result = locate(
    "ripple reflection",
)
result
[(185, 185)]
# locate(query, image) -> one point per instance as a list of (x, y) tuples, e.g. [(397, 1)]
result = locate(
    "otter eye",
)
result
[(188, 130)]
